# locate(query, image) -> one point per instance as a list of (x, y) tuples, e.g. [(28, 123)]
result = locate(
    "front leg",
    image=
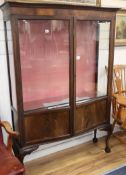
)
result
[(95, 140), (109, 129)]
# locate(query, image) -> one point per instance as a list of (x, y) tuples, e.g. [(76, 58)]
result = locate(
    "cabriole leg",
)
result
[(95, 140), (109, 130)]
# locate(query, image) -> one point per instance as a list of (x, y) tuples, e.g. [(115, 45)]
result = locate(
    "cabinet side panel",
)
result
[(89, 116), (11, 67), (11, 64)]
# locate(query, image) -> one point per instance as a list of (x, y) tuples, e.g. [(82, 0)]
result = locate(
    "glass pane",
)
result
[(91, 58), (103, 57), (11, 64), (44, 54)]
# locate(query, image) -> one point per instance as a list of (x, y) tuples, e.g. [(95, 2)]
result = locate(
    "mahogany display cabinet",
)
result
[(57, 55)]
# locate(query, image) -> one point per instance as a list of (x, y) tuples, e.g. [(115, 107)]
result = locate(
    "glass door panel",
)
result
[(44, 55), (92, 55), (103, 57)]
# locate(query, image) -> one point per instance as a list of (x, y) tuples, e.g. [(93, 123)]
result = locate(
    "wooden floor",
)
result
[(85, 159)]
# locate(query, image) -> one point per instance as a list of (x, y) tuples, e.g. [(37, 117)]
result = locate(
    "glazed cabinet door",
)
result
[(45, 66), (92, 55)]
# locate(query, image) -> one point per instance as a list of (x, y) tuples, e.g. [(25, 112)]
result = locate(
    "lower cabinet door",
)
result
[(89, 116), (46, 126)]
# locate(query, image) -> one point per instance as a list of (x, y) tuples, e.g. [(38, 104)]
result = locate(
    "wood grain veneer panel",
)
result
[(46, 126), (90, 115)]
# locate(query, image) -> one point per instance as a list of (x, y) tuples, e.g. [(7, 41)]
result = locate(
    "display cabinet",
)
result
[(56, 61)]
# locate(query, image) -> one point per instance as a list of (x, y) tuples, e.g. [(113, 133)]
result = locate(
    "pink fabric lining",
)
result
[(45, 58), (44, 51)]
